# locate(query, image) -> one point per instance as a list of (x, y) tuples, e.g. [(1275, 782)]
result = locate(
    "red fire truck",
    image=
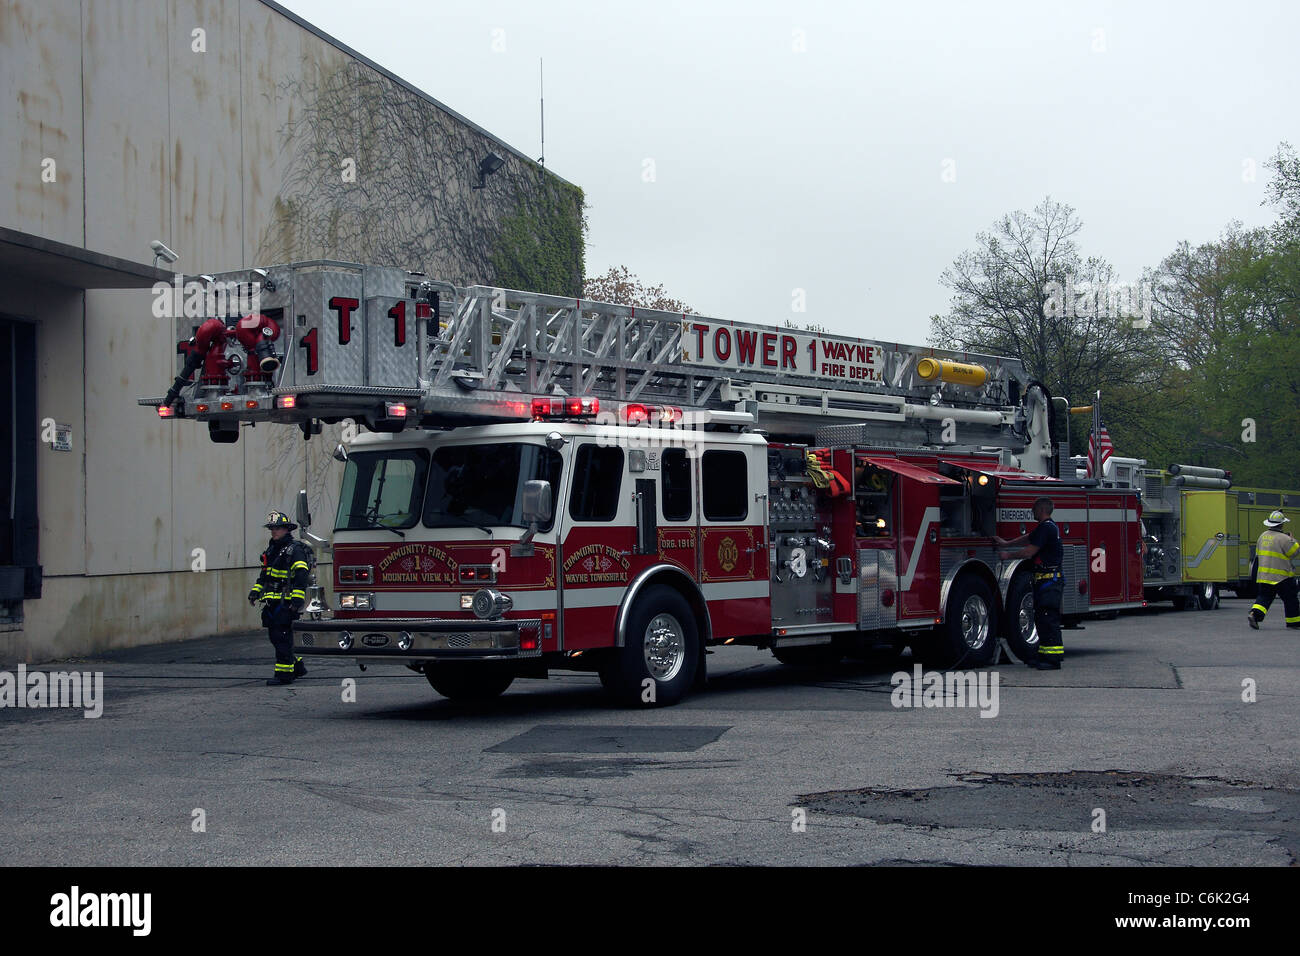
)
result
[(550, 483)]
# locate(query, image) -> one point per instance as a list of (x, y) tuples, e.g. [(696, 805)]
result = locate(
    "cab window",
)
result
[(597, 478)]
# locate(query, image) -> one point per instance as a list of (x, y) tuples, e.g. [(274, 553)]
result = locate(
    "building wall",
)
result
[(234, 156)]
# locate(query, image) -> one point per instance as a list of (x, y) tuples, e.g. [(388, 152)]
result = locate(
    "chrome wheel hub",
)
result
[(665, 647), (974, 622), (1025, 621)]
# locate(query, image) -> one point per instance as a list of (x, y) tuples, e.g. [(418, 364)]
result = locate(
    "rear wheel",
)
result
[(969, 634), (1207, 596), (468, 681), (661, 652), (1019, 628)]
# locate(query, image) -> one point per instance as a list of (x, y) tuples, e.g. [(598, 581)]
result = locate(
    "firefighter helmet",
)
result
[(1276, 520), (278, 519)]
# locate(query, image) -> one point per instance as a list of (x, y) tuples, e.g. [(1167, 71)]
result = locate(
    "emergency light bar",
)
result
[(544, 408)]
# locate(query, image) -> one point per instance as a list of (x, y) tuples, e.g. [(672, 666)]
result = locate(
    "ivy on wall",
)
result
[(371, 172), (540, 245)]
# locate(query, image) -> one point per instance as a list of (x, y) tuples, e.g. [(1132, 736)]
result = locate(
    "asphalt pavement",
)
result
[(1167, 738)]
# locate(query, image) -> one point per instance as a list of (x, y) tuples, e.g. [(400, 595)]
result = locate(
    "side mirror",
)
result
[(340, 453), (537, 503), (536, 510), (304, 515)]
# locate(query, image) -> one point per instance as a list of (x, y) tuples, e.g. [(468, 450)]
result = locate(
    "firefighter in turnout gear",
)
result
[(1274, 552), (282, 589), (1043, 544)]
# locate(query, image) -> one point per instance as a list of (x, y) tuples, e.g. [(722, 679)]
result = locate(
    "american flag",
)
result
[(1099, 451)]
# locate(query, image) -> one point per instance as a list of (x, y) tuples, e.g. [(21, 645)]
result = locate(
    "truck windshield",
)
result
[(484, 484), (383, 489)]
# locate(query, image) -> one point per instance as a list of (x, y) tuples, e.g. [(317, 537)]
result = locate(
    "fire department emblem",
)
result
[(728, 554)]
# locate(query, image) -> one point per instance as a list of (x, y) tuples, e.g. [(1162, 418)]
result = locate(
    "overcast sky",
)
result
[(805, 145)]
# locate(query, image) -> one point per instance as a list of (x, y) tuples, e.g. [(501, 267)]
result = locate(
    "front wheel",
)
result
[(661, 652), (468, 681), (1207, 596)]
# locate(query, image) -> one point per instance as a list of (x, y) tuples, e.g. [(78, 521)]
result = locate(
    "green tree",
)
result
[(1229, 322)]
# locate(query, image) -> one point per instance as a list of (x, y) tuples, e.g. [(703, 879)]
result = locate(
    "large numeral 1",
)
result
[(398, 314), (308, 342)]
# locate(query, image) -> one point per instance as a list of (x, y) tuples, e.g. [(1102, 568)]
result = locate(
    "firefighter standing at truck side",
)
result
[(282, 589), (1043, 544), (1274, 552)]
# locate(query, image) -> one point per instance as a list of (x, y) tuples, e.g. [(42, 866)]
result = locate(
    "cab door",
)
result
[(677, 536), (733, 538)]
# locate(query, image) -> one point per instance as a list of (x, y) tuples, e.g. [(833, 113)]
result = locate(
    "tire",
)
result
[(969, 634), (469, 681), (662, 644), (1207, 596), (1184, 602), (1019, 628), (818, 656)]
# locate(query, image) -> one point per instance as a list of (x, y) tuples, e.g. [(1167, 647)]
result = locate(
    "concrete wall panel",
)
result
[(129, 148), (129, 503), (204, 106), (40, 95)]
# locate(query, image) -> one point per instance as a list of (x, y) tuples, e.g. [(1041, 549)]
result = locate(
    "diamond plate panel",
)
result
[(392, 345), (1074, 563), (876, 573), (328, 329)]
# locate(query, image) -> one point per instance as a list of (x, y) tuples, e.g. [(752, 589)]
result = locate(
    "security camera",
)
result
[(162, 252)]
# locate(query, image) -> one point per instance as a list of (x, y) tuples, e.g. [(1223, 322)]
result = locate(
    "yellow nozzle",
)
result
[(959, 373)]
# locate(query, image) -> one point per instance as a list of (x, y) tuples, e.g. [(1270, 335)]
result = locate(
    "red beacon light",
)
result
[(166, 411), (544, 408), (634, 413)]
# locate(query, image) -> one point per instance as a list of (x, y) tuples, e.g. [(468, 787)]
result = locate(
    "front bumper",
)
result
[(379, 639)]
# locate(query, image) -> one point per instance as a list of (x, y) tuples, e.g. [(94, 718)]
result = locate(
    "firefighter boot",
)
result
[(1250, 618), (284, 674)]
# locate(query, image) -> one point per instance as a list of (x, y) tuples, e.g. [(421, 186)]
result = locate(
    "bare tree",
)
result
[(1027, 292), (621, 287)]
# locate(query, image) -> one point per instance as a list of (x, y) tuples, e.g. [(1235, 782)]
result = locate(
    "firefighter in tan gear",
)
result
[(282, 589), (1274, 552)]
